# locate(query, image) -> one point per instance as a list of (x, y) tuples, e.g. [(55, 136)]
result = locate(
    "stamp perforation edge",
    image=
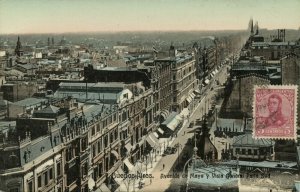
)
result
[(295, 87)]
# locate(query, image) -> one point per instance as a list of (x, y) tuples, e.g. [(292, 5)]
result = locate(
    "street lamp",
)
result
[(151, 156), (141, 172), (146, 162)]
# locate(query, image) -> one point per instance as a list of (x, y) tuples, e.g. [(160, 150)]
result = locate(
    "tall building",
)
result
[(184, 82)]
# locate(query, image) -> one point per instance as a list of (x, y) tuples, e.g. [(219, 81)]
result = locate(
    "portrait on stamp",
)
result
[(274, 112)]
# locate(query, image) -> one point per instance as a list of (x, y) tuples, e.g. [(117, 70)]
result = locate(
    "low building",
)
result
[(25, 107), (29, 69), (19, 90), (245, 147)]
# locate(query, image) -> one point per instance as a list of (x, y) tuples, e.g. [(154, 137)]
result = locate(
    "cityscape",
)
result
[(152, 111)]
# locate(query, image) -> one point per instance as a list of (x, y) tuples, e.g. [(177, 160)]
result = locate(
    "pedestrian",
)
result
[(184, 133), (150, 180), (163, 166)]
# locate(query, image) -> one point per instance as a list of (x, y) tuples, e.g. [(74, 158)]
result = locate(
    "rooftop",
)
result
[(4, 125), (29, 102), (28, 66), (265, 164), (48, 110), (248, 140)]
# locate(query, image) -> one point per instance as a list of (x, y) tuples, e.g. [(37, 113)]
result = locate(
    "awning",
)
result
[(104, 188), (174, 123), (164, 113), (128, 164), (160, 131), (214, 72), (128, 146), (152, 141), (115, 153), (197, 91), (192, 95), (189, 99), (156, 135)]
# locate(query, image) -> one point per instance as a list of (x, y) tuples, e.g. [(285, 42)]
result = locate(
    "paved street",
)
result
[(159, 184)]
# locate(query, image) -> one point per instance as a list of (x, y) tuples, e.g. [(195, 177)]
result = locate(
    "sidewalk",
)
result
[(157, 166), (156, 169)]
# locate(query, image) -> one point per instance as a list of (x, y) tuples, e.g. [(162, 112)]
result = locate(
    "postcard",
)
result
[(149, 96)]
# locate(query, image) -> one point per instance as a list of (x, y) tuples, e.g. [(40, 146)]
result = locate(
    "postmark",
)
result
[(275, 111)]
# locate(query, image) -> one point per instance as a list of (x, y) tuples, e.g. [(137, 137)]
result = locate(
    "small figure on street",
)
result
[(150, 180), (184, 133), (163, 166)]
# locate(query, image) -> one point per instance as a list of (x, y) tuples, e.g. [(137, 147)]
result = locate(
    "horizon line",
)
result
[(140, 31)]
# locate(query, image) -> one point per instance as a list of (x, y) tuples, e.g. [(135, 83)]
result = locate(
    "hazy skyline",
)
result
[(61, 16)]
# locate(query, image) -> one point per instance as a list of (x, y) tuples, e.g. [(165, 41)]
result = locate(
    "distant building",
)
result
[(16, 91), (19, 50), (25, 107), (29, 69), (290, 69), (239, 95)]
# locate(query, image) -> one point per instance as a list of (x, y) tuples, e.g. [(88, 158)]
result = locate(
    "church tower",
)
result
[(256, 25), (18, 50), (251, 27)]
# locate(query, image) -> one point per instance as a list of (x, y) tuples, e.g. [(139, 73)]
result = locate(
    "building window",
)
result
[(100, 169), (111, 137), (83, 144), (45, 174), (116, 133), (93, 130), (99, 145), (30, 186), (243, 151), (174, 86), (50, 174), (249, 152), (39, 181), (14, 190), (105, 141), (84, 169), (255, 151), (94, 151), (58, 168)]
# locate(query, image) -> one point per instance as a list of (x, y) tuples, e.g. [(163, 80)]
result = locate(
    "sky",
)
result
[(61, 16)]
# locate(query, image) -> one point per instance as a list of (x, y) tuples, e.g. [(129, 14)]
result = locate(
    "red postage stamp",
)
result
[(275, 112)]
